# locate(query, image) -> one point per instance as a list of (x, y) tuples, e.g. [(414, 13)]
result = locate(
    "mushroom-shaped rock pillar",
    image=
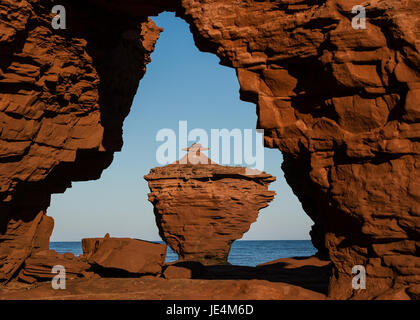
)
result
[(202, 207)]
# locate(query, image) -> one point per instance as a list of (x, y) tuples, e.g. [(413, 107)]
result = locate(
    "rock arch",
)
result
[(341, 104)]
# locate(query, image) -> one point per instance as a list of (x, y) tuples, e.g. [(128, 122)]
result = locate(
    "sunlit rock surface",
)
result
[(341, 104), (202, 208)]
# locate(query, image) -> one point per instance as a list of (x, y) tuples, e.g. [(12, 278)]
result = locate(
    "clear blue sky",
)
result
[(181, 83)]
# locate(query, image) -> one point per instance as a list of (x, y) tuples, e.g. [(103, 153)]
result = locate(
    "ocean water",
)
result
[(243, 252)]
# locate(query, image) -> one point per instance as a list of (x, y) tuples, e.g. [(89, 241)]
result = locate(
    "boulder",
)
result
[(184, 270), (39, 266), (124, 256)]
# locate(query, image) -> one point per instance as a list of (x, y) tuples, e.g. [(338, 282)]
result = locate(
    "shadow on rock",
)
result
[(311, 273)]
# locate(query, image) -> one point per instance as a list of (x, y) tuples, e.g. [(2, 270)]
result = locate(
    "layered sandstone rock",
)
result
[(123, 256), (24, 235), (161, 289), (39, 266), (341, 104), (175, 272), (201, 209), (59, 119), (283, 279), (184, 270)]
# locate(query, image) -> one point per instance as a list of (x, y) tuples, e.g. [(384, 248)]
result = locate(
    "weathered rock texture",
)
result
[(63, 97), (283, 279), (201, 209), (341, 104), (39, 266), (184, 270), (124, 256)]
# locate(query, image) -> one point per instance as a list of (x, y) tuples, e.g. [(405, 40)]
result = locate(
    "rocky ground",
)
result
[(292, 278), (339, 102)]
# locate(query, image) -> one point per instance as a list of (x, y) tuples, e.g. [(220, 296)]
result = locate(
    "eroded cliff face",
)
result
[(343, 107), (63, 97), (341, 104)]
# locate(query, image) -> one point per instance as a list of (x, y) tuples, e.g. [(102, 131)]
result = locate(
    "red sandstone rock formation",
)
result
[(341, 104), (175, 272), (184, 270), (113, 255), (59, 120), (283, 279), (161, 289), (24, 236), (201, 209), (39, 266)]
